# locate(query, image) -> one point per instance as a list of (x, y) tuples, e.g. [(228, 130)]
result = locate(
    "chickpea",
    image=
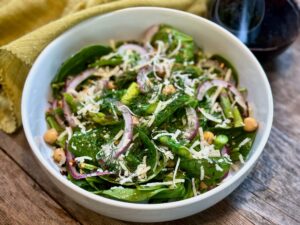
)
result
[(59, 103), (161, 73), (59, 156), (50, 136), (208, 137), (171, 163), (250, 124), (135, 120), (111, 85), (169, 89), (203, 185)]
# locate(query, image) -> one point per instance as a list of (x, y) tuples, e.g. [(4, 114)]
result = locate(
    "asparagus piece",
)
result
[(181, 101), (132, 92), (151, 108), (237, 118), (70, 101), (226, 105), (53, 124), (87, 166), (175, 147)]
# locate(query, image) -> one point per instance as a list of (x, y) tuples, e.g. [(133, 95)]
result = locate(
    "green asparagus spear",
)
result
[(132, 92), (175, 147), (237, 118), (225, 104)]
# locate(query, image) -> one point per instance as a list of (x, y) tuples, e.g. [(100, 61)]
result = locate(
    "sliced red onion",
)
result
[(142, 79), (150, 33), (57, 117), (221, 83), (193, 123), (68, 113), (75, 174), (72, 84), (225, 151), (140, 50), (128, 130)]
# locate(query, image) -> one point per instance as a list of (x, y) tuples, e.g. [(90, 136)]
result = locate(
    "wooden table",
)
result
[(270, 194)]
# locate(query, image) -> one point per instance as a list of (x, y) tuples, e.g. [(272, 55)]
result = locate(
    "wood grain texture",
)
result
[(17, 146), (23, 202), (270, 194)]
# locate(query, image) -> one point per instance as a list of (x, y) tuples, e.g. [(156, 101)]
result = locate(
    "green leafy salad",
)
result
[(148, 121)]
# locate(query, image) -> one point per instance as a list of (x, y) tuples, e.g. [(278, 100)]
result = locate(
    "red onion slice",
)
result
[(75, 174), (221, 83), (72, 84), (193, 123), (68, 113), (142, 79), (225, 151), (57, 117), (150, 33), (128, 130)]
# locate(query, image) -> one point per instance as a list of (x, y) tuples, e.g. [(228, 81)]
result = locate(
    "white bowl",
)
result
[(130, 24)]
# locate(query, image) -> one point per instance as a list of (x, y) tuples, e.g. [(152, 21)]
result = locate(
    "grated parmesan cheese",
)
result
[(194, 187), (118, 135), (241, 158), (82, 159), (209, 116), (202, 173), (177, 49), (153, 184), (218, 168), (175, 171), (244, 142)]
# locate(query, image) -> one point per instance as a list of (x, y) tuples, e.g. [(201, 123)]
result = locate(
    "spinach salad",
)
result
[(148, 122)]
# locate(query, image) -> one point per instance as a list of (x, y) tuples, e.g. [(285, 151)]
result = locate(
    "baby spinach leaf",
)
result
[(152, 154), (174, 38), (179, 102), (129, 194), (228, 64), (86, 144), (193, 167), (78, 63), (172, 193), (244, 149), (81, 183), (113, 61)]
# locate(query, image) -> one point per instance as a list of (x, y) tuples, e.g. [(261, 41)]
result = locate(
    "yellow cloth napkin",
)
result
[(27, 26)]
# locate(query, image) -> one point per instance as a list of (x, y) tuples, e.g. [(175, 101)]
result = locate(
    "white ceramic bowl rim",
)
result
[(248, 164)]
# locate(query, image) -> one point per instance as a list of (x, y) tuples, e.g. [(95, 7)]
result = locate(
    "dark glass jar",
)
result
[(267, 27)]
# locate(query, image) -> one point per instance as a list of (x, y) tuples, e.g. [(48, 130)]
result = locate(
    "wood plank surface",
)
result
[(22, 201), (270, 194)]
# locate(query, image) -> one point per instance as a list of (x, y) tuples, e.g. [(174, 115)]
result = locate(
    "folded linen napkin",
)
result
[(27, 27)]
